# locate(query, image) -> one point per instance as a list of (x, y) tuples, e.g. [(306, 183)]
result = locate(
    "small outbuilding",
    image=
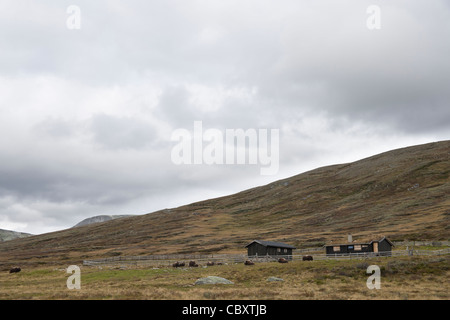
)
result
[(271, 248), (382, 246)]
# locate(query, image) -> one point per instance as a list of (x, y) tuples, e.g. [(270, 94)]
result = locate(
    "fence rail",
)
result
[(422, 243), (168, 260), (307, 250)]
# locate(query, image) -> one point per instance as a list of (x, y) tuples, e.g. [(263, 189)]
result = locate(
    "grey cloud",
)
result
[(109, 183), (238, 110), (121, 132), (384, 75), (174, 107), (55, 128), (86, 121)]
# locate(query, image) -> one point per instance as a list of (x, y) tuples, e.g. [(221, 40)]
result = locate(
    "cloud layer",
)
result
[(87, 115)]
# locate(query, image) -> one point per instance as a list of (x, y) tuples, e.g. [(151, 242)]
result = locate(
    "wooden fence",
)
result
[(422, 243), (366, 255), (168, 260)]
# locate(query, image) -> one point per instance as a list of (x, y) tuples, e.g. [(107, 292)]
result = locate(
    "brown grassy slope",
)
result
[(412, 278), (402, 194)]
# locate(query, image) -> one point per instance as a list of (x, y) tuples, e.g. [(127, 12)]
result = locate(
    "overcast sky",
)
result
[(89, 101)]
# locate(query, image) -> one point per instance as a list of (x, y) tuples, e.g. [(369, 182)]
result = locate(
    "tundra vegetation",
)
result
[(416, 277)]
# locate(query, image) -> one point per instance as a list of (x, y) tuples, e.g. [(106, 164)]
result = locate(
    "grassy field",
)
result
[(401, 278)]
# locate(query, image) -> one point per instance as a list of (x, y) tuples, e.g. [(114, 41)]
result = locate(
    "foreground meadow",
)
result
[(401, 278)]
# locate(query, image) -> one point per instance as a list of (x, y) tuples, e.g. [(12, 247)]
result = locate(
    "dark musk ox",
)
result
[(282, 260), (193, 264), (210, 263), (249, 263), (15, 270), (307, 258), (178, 264)]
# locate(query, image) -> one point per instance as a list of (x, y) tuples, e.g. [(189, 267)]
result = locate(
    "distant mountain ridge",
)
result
[(6, 235), (100, 218)]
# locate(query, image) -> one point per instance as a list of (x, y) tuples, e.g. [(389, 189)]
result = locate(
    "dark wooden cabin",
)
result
[(271, 248), (382, 246)]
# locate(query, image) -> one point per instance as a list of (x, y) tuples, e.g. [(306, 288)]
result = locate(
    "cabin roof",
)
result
[(271, 244)]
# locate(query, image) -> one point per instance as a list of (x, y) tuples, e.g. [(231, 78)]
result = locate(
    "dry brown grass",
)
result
[(402, 278)]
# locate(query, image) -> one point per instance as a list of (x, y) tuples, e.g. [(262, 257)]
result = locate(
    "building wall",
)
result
[(332, 249), (260, 250), (349, 248), (384, 246), (359, 248), (274, 251), (256, 249)]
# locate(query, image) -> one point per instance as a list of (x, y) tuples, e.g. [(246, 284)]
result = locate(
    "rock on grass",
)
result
[(271, 279), (213, 280)]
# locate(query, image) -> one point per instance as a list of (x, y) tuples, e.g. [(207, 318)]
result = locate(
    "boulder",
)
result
[(213, 280), (271, 279)]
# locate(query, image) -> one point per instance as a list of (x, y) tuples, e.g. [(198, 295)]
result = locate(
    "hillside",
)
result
[(97, 219), (402, 194), (6, 235)]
